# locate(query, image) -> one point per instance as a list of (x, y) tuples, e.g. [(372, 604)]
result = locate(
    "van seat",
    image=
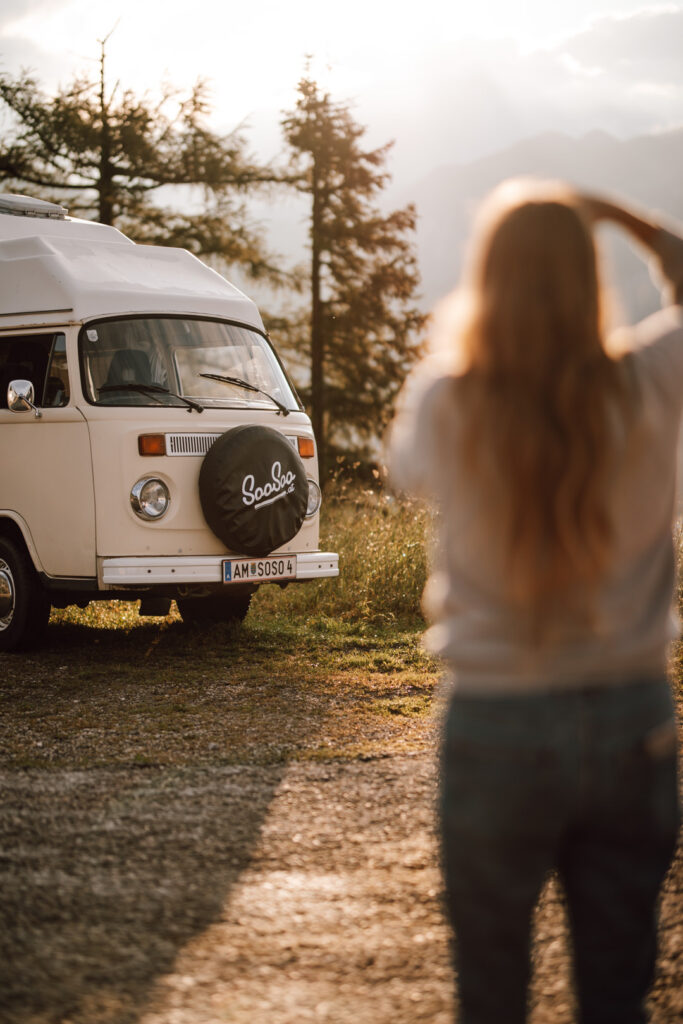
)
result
[(129, 366)]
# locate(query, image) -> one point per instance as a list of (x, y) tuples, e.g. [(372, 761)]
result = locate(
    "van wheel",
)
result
[(24, 606), (217, 608)]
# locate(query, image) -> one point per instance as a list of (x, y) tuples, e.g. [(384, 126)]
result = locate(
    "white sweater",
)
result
[(488, 642)]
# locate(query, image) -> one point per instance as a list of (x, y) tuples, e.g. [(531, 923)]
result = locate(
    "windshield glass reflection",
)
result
[(172, 353)]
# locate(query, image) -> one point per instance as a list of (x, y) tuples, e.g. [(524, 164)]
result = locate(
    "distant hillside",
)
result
[(646, 170)]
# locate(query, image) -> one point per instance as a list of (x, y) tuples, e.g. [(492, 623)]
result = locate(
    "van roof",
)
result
[(58, 269)]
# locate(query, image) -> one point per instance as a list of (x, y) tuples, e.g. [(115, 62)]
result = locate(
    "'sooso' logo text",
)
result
[(257, 497)]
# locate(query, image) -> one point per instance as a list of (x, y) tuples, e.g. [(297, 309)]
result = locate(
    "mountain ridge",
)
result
[(644, 170)]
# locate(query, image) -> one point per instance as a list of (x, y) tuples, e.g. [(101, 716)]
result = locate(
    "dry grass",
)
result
[(333, 669), (157, 692), (381, 545)]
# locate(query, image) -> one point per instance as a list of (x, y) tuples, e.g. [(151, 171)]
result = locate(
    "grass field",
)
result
[(330, 669), (326, 670)]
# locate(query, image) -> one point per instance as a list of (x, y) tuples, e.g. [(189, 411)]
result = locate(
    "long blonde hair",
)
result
[(539, 388)]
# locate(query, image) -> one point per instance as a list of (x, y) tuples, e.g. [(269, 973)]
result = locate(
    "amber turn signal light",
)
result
[(152, 444), (306, 447)]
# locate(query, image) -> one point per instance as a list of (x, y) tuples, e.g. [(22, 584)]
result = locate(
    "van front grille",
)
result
[(189, 444), (199, 444)]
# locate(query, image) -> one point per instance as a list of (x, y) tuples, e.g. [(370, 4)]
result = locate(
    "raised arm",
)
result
[(643, 229), (666, 246)]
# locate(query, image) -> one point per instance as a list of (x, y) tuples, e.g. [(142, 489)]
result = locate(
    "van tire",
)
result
[(217, 608), (23, 626)]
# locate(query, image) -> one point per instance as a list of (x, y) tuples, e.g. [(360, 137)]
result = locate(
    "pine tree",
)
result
[(104, 154), (364, 324)]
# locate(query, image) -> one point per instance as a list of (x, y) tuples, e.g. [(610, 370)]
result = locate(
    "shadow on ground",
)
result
[(107, 874), (156, 866), (107, 871)]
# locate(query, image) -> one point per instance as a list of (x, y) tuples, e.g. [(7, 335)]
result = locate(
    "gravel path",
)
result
[(278, 894)]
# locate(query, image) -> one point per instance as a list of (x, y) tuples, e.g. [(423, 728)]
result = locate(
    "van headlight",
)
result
[(150, 498), (314, 499)]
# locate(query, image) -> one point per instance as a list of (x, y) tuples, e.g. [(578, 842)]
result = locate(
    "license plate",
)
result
[(259, 570)]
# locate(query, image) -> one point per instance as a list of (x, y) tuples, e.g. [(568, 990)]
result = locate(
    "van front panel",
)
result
[(118, 466)]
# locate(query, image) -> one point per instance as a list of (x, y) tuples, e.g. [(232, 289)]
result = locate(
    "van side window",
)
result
[(57, 381), (40, 358)]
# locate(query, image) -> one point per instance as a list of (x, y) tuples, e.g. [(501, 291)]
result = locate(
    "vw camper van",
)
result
[(152, 446)]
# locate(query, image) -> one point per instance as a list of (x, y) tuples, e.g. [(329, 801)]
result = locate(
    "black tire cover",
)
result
[(253, 489)]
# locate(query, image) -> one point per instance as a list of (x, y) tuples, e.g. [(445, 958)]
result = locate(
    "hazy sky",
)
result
[(447, 82)]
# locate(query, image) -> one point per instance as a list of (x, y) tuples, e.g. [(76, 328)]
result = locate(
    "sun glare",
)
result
[(211, 38), (253, 56)]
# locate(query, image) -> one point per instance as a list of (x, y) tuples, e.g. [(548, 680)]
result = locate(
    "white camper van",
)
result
[(151, 443)]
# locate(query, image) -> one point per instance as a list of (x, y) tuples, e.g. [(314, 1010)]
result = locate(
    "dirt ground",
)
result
[(240, 831), (247, 894)]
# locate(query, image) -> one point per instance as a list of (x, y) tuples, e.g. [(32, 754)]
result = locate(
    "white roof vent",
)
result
[(25, 206)]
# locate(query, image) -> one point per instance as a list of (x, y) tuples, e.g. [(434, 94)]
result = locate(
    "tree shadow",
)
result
[(106, 872)]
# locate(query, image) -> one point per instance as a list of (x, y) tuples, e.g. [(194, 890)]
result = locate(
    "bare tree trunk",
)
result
[(317, 330), (106, 197)]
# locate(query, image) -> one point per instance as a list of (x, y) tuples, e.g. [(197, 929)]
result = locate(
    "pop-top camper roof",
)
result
[(56, 269)]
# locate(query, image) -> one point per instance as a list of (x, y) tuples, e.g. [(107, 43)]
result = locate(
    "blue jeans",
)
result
[(582, 782)]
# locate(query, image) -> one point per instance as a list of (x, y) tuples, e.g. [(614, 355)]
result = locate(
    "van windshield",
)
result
[(167, 357)]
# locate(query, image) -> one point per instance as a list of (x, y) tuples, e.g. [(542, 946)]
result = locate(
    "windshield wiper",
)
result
[(239, 383), (153, 390)]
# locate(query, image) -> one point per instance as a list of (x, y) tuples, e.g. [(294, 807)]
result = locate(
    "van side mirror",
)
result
[(21, 397)]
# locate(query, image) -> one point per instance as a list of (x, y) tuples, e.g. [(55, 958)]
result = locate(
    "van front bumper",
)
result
[(202, 569)]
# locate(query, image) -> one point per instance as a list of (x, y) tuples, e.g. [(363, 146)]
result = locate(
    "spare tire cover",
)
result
[(253, 489)]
